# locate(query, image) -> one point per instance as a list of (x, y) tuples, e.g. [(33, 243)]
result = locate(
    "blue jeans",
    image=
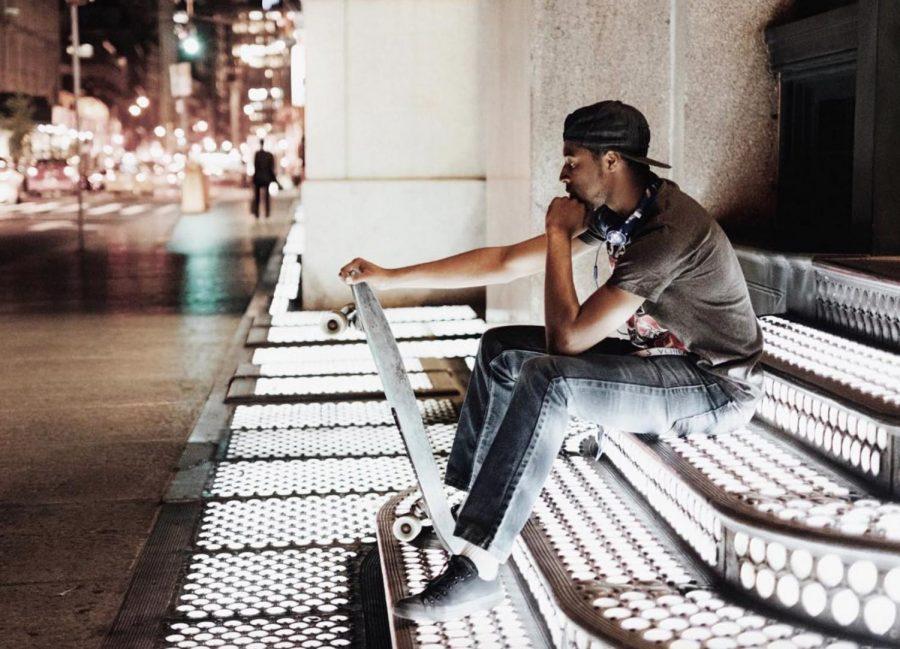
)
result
[(518, 404)]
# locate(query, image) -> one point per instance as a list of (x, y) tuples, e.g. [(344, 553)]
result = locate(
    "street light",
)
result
[(134, 110), (76, 90), (142, 101)]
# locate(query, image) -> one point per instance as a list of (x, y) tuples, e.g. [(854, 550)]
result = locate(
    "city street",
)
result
[(108, 357), (141, 255)]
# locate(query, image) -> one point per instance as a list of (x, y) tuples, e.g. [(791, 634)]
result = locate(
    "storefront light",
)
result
[(257, 94)]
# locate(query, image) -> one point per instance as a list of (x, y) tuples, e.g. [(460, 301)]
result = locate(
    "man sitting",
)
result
[(689, 366)]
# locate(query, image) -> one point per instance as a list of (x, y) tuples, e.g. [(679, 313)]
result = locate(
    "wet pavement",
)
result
[(108, 359), (152, 260)]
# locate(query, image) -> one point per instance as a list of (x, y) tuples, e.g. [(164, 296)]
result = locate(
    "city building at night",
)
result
[(29, 63), (445, 324)]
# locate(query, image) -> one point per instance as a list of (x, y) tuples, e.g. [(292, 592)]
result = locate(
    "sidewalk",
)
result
[(97, 408)]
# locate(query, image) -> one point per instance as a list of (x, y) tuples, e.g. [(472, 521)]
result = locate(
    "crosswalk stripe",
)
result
[(51, 225), (105, 209), (134, 209), (164, 209), (35, 208)]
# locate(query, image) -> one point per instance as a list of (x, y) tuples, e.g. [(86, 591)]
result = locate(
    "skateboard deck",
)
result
[(405, 408)]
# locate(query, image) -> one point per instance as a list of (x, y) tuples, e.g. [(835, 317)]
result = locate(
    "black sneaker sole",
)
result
[(417, 613)]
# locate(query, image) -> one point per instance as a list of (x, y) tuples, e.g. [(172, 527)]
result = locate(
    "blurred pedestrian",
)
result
[(263, 176)]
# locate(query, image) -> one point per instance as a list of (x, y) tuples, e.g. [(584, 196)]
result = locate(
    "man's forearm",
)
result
[(472, 268), (560, 299)]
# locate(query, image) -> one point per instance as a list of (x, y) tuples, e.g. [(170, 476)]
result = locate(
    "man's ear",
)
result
[(611, 161)]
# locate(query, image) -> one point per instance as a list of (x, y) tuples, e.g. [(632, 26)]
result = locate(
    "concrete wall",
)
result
[(507, 74), (414, 103), (29, 49), (696, 68), (395, 154)]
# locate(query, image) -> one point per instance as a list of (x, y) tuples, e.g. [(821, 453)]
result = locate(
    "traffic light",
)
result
[(191, 45)]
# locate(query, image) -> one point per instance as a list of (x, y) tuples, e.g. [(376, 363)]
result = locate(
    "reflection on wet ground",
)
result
[(192, 264)]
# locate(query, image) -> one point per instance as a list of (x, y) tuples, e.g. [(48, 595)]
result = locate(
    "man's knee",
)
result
[(544, 368), (493, 342)]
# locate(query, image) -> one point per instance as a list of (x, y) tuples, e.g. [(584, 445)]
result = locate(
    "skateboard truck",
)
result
[(408, 418), (339, 320)]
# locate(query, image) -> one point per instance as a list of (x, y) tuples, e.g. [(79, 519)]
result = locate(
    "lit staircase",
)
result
[(783, 535)]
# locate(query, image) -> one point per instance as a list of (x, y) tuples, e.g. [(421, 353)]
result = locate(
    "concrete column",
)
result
[(507, 87), (395, 157)]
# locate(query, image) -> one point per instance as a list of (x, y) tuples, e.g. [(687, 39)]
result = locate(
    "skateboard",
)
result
[(339, 320), (408, 418)]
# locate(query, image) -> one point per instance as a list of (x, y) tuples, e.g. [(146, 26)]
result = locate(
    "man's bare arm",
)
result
[(570, 327), (478, 267)]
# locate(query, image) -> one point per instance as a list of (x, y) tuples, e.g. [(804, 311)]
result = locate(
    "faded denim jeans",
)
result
[(519, 400)]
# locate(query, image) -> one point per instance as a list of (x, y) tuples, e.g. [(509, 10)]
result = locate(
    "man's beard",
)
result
[(576, 196)]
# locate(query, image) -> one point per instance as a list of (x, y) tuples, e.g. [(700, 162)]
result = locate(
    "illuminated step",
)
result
[(337, 413), (263, 523), (295, 241), (288, 278), (780, 528), (284, 335), (864, 304), (306, 388), (304, 631), (393, 315), (290, 264), (279, 305), (252, 479), (408, 569), (356, 441), (449, 348), (320, 368), (602, 573), (297, 582), (860, 373), (860, 441)]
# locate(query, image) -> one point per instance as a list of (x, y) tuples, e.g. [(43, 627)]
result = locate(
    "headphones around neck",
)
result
[(617, 237)]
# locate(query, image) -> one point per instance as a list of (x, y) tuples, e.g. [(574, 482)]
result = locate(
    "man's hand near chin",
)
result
[(565, 217)]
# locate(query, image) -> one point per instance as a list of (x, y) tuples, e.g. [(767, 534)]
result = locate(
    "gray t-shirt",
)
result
[(682, 263)]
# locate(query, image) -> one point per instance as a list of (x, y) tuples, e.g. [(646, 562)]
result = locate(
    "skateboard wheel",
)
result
[(406, 528), (334, 323), (339, 320)]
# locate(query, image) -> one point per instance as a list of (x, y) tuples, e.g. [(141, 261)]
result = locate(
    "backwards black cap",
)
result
[(611, 125)]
